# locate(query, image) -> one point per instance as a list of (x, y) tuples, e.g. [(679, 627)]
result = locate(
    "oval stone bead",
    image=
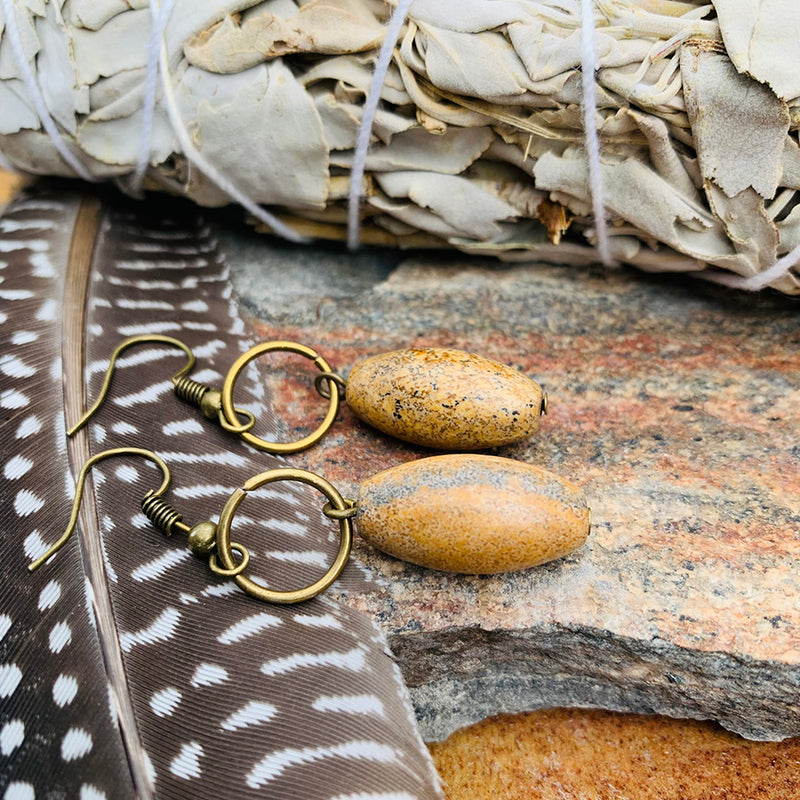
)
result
[(446, 399), (472, 513)]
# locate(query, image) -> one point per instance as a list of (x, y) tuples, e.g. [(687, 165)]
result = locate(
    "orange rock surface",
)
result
[(572, 754)]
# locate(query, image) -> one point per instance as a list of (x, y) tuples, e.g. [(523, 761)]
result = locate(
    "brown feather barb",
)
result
[(126, 670)]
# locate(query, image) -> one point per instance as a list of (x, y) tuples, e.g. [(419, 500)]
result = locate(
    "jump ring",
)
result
[(234, 571), (335, 501), (290, 347), (248, 415), (323, 381)]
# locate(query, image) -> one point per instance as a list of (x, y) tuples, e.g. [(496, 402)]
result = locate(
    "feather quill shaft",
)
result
[(79, 265)]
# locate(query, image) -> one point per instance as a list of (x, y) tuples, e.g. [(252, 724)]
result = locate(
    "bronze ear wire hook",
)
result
[(205, 398), (213, 539), (76, 504)]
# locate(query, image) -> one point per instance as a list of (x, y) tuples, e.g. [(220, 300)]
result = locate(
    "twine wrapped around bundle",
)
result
[(479, 138)]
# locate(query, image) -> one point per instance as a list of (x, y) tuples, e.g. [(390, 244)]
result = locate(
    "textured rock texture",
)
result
[(674, 404)]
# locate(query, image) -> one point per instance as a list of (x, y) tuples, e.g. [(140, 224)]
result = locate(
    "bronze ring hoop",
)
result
[(269, 347), (225, 546)]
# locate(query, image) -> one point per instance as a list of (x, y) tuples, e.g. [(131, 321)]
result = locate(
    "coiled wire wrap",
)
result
[(189, 390), (160, 513)]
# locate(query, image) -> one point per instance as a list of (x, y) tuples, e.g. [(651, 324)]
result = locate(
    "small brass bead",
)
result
[(203, 538), (211, 403)]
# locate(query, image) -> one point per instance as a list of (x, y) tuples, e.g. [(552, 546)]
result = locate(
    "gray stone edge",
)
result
[(459, 677)]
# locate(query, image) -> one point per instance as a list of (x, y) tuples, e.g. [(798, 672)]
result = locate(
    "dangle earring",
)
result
[(212, 539), (467, 513), (434, 397)]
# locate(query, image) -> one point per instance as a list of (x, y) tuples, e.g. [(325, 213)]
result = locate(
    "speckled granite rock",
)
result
[(675, 406)]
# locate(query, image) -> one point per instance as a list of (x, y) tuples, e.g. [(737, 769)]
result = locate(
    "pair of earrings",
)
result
[(462, 513)]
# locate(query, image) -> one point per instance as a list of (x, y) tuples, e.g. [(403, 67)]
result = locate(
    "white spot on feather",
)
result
[(160, 631), (146, 305), (76, 743), (126, 473), (187, 763), (89, 792), (65, 688), (27, 503), (165, 702), (350, 704), (17, 467), (275, 764), (12, 245), (14, 225), (200, 306), (47, 311), (34, 545), (149, 395), (209, 675), (15, 367), (149, 769), (24, 337), (182, 426), (201, 490), (14, 294), (50, 595), (12, 399), (152, 327), (19, 791), (30, 426), (208, 327), (210, 349), (124, 428), (254, 713), (249, 626), (158, 566), (10, 676), (352, 660), (12, 735), (60, 637), (42, 267), (313, 557), (318, 621), (5, 625)]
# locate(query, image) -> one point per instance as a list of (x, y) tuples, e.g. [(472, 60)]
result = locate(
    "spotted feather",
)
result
[(126, 668)]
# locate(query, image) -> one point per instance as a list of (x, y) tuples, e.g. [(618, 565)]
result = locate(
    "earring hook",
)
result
[(130, 342), (76, 504)]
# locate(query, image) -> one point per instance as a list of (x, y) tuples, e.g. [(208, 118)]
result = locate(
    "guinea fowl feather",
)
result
[(127, 669)]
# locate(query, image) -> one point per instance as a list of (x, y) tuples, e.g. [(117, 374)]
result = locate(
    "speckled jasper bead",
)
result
[(445, 399), (472, 513)]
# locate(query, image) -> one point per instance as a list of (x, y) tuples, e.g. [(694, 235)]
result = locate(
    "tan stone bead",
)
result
[(475, 514), (447, 399)]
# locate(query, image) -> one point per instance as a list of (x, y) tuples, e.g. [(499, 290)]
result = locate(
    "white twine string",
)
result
[(367, 121), (591, 137), (160, 17), (29, 79), (197, 158), (761, 279)]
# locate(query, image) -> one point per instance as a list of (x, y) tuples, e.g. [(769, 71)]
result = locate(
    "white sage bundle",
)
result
[(478, 142)]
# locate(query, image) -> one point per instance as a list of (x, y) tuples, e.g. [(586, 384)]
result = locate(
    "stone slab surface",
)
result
[(674, 403)]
